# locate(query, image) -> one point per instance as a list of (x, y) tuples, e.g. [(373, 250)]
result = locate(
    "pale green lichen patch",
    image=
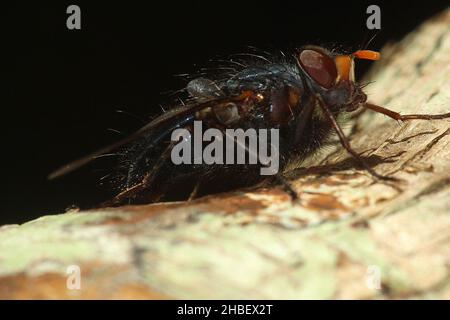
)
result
[(261, 263), (362, 248), (74, 218), (64, 238)]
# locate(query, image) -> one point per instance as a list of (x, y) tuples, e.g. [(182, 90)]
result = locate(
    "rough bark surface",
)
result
[(347, 230)]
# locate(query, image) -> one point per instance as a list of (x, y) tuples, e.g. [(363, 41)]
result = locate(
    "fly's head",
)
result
[(332, 76)]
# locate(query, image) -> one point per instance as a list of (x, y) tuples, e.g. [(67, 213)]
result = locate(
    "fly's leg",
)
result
[(287, 187), (146, 181), (397, 116), (194, 191), (346, 144)]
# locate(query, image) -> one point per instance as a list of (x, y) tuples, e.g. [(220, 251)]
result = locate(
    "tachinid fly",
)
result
[(304, 96)]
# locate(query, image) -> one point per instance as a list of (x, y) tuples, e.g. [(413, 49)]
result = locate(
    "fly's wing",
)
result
[(202, 89), (170, 118)]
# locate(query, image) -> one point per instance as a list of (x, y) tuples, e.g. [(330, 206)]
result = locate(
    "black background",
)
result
[(63, 86), (283, 309)]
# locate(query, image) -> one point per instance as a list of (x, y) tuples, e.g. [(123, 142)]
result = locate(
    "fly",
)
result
[(304, 96)]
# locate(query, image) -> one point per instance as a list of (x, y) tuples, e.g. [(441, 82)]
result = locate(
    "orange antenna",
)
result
[(343, 66), (367, 55)]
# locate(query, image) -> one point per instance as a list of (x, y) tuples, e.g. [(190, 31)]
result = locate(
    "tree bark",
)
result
[(349, 237)]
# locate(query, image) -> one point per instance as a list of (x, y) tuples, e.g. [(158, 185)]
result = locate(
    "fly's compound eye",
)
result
[(319, 66)]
